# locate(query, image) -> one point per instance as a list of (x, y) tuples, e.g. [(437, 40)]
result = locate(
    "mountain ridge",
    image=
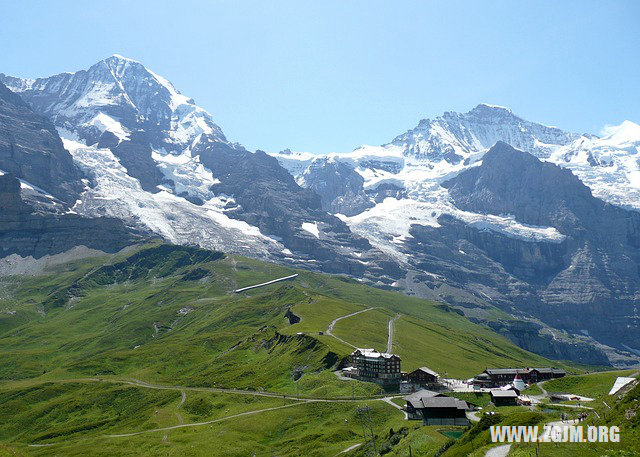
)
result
[(157, 161)]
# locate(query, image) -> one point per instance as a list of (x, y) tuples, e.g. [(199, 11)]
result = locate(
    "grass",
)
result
[(168, 315), (533, 389), (591, 385), (480, 399), (293, 431), (368, 329)]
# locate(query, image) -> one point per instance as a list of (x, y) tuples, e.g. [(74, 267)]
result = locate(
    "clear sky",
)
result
[(331, 75)]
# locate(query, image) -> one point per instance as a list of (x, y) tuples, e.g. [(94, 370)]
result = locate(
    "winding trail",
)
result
[(390, 339), (183, 389), (182, 400), (389, 400), (198, 424), (329, 330)]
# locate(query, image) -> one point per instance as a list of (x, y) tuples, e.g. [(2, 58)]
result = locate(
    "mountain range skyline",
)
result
[(147, 156), (395, 66), (319, 228), (606, 129)]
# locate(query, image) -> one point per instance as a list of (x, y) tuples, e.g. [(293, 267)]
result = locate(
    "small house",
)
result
[(423, 376), (434, 408), (504, 397), (444, 411), (415, 403)]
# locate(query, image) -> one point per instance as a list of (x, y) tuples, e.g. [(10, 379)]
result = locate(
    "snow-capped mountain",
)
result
[(609, 165), (121, 96), (413, 165), (155, 159), (396, 214), (119, 100), (456, 136), (495, 253)]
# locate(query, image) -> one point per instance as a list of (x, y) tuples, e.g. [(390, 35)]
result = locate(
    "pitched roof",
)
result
[(427, 370), (415, 399), (506, 370), (373, 354), (444, 402), (504, 393), (522, 370)]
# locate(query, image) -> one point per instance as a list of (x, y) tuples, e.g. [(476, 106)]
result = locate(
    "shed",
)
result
[(444, 411), (423, 375), (415, 402), (504, 397)]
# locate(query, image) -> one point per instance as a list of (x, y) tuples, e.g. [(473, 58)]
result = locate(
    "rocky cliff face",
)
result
[(587, 283), (339, 186), (25, 231), (157, 160), (31, 149), (268, 197)]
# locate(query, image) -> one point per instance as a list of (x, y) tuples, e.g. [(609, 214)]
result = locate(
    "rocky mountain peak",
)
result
[(454, 137), (119, 96)]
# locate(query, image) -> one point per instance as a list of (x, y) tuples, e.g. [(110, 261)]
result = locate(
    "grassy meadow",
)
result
[(83, 344)]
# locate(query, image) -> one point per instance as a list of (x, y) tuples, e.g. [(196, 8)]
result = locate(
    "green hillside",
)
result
[(167, 316)]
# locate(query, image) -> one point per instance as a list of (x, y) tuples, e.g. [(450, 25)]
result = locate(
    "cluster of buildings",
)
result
[(496, 377), (384, 369), (425, 402)]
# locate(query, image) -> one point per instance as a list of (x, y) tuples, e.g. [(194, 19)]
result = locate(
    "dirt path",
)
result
[(473, 416), (198, 424), (390, 339), (182, 400), (390, 401), (335, 321), (138, 383)]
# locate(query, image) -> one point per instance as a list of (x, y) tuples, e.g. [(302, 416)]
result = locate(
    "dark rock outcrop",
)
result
[(587, 283), (340, 187), (268, 197), (527, 335), (31, 149), (28, 232)]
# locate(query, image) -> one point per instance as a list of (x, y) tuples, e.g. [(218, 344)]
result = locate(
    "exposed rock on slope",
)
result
[(339, 186), (587, 283), (25, 231), (31, 149)]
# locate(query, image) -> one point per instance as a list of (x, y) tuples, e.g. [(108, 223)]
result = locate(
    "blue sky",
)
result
[(332, 75)]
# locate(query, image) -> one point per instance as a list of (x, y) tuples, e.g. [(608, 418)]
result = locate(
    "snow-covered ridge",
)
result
[(115, 193), (436, 150), (121, 97), (134, 97)]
